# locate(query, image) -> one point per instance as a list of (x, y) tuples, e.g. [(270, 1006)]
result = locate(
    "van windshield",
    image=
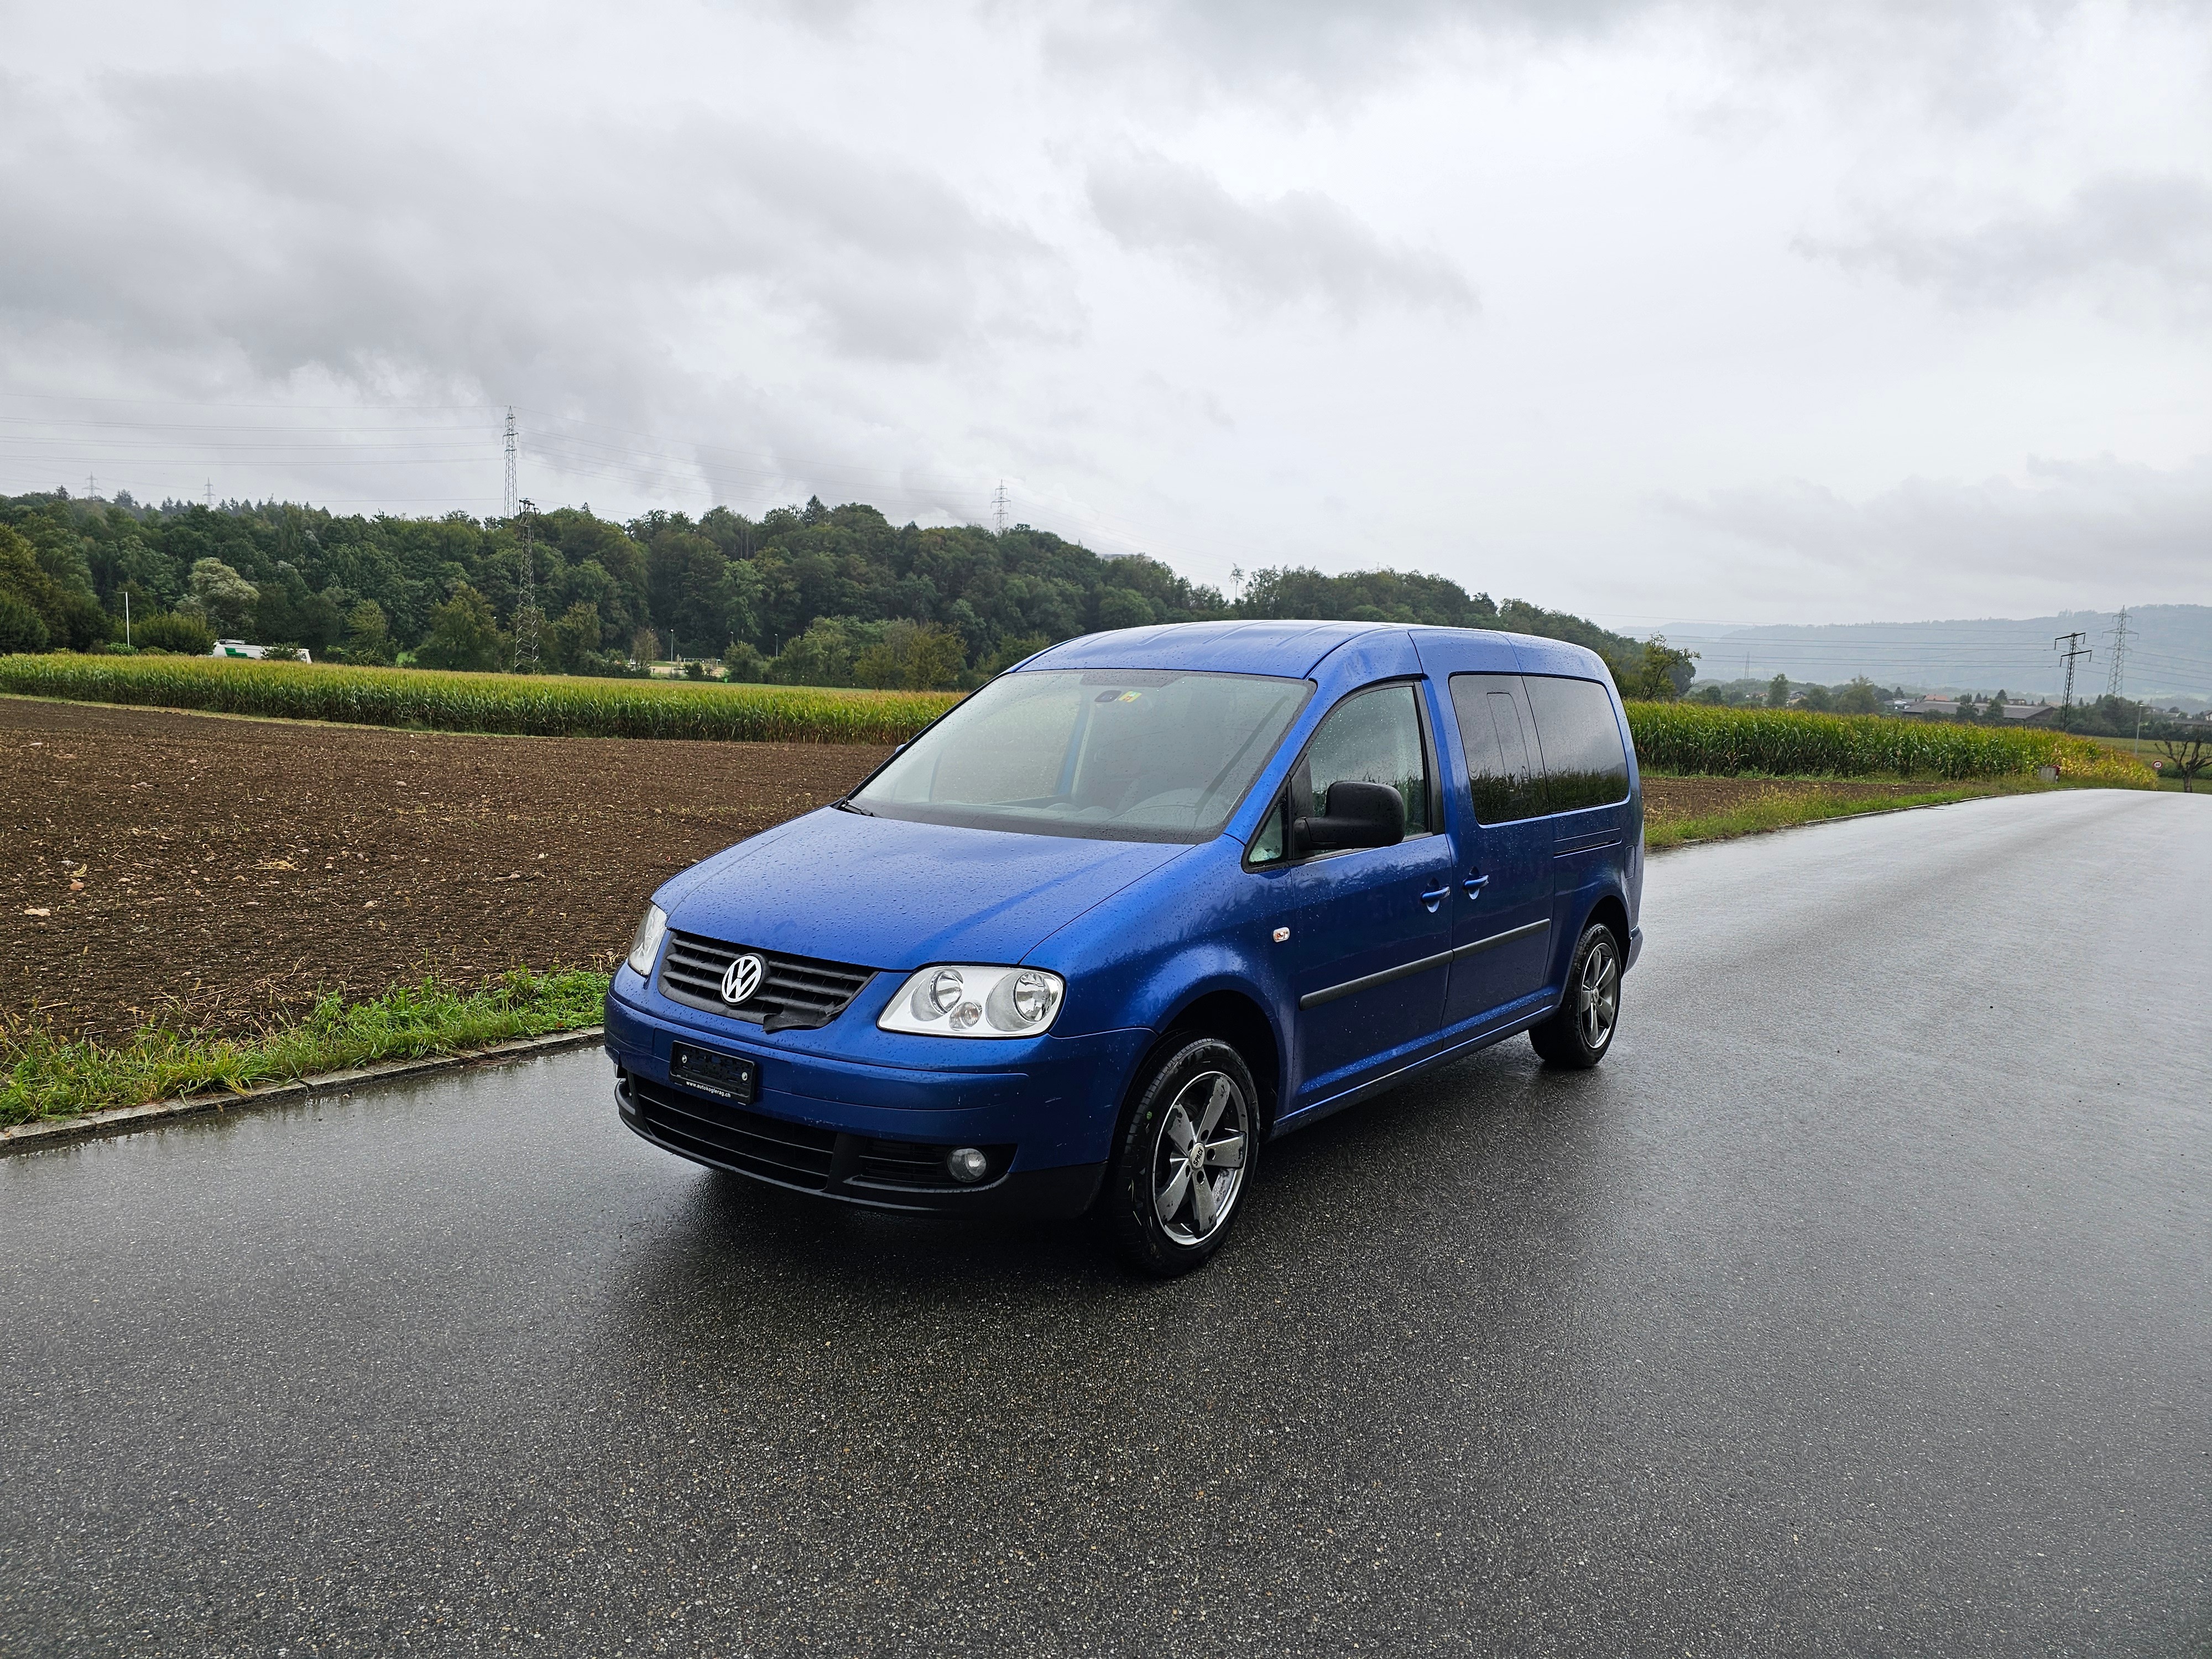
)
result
[(1112, 755)]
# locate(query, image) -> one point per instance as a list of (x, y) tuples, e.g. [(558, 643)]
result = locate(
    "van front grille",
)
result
[(795, 993), (795, 1154)]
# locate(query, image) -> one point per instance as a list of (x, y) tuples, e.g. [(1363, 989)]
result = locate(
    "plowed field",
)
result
[(218, 871)]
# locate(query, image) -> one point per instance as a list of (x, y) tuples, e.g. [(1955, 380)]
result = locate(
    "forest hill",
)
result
[(813, 595)]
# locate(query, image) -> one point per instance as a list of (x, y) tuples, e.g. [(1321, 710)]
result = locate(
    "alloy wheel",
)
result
[(1597, 996), (1197, 1159)]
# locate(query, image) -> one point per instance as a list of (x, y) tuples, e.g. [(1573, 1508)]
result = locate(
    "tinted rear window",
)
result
[(1501, 761), (1584, 764)]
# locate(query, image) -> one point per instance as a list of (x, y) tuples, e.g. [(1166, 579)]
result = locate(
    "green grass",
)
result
[(526, 705), (1698, 740), (2147, 749), (1783, 811), (44, 1077)]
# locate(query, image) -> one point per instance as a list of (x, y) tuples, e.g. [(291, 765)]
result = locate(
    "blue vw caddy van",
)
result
[(1136, 908)]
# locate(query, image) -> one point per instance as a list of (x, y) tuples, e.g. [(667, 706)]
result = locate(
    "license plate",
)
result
[(725, 1075)]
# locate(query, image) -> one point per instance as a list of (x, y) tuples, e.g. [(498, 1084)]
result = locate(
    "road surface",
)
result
[(1858, 1303)]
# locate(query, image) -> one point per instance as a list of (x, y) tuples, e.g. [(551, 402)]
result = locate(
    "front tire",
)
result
[(1184, 1157), (1578, 1035)]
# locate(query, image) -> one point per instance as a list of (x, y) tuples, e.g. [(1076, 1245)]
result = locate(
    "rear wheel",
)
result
[(1184, 1157), (1578, 1035)]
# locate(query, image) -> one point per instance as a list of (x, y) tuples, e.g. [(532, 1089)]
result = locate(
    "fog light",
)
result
[(967, 1164)]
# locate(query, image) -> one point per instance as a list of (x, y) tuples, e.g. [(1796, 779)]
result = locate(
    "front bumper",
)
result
[(839, 1165), (873, 1130)]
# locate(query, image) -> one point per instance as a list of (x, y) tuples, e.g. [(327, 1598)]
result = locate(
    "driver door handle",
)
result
[(1434, 896)]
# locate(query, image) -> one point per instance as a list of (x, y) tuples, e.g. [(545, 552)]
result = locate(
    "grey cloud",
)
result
[(1957, 61), (296, 218), (2121, 234), (1300, 246), (2071, 529), (1310, 43)]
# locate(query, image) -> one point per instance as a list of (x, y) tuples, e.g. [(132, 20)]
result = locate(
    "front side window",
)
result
[(1584, 764), (1373, 736), (1113, 755), (1504, 774)]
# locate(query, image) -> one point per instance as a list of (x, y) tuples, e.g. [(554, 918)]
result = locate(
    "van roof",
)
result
[(1291, 648)]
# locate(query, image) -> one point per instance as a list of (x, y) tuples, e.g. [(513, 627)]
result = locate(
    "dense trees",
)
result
[(813, 595), (49, 598)]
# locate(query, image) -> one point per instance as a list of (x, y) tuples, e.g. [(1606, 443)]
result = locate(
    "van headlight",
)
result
[(645, 943), (965, 1000)]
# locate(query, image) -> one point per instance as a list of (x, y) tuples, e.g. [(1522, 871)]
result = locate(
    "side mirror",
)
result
[(1358, 815)]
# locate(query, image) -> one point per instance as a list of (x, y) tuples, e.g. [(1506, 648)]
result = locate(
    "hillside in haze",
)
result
[(2169, 654)]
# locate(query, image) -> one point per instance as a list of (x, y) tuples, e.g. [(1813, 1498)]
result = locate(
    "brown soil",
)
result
[(1692, 798), (219, 871)]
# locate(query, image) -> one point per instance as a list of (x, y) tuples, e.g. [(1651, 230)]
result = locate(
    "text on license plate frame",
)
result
[(729, 1076)]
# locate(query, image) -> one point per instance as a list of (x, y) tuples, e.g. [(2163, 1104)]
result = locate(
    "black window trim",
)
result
[(1523, 707), (1430, 757), (1628, 782), (1536, 736)]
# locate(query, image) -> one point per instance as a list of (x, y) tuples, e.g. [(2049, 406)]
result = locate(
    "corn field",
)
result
[(525, 705), (1700, 741), (1690, 739)]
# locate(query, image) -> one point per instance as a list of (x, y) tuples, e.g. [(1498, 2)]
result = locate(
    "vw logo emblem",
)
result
[(741, 978)]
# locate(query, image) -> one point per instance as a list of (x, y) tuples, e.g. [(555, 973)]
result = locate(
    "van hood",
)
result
[(886, 893)]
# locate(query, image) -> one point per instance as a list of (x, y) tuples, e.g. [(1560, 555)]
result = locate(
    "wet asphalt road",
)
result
[(1858, 1303)]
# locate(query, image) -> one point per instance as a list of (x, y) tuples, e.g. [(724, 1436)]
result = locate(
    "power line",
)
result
[(202, 402), (2074, 648), (526, 615)]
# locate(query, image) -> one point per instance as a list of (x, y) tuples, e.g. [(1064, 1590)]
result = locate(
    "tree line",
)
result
[(811, 595)]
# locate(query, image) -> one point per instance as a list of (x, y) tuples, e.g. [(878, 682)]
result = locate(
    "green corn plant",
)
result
[(523, 705), (1696, 739)]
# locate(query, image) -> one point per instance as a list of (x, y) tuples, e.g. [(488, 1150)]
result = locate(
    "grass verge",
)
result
[(1782, 808), (539, 706), (43, 1075)]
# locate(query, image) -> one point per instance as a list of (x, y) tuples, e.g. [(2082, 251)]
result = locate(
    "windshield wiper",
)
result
[(850, 805)]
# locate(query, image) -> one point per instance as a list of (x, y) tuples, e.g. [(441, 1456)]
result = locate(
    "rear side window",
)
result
[(1502, 764), (1584, 764)]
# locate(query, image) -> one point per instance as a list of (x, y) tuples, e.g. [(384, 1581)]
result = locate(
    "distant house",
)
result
[(1945, 708), (240, 649), (1930, 709)]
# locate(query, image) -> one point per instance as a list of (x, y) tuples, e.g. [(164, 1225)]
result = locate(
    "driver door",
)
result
[(1371, 927)]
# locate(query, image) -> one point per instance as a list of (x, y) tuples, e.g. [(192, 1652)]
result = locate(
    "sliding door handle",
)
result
[(1474, 884)]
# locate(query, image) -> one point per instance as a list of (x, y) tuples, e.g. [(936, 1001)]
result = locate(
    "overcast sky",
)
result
[(1659, 313)]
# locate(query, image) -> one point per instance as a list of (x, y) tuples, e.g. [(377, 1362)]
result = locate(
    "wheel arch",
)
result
[(1236, 1018), (1614, 913)]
